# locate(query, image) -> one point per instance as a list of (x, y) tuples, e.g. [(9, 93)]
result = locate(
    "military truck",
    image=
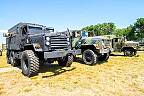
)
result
[(120, 44), (30, 44), (93, 49)]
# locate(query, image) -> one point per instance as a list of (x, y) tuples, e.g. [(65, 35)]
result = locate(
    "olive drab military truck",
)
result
[(120, 44), (30, 44), (92, 48)]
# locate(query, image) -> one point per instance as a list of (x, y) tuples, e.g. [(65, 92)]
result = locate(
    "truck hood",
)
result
[(56, 34), (131, 42)]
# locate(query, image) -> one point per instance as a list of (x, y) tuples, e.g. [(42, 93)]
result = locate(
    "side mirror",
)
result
[(74, 34), (7, 34)]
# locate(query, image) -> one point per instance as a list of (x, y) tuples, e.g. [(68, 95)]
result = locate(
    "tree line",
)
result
[(132, 32)]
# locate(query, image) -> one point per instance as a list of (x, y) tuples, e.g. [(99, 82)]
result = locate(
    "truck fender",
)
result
[(124, 48)]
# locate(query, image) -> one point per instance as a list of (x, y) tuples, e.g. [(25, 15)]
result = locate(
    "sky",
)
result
[(72, 14)]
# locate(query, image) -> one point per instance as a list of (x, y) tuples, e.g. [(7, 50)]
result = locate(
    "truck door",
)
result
[(16, 40), (75, 40), (23, 36), (116, 44), (12, 41)]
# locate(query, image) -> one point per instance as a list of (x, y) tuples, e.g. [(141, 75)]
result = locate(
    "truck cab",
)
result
[(121, 44), (93, 48)]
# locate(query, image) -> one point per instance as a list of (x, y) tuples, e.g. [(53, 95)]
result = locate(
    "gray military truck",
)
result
[(120, 44), (30, 44), (93, 48)]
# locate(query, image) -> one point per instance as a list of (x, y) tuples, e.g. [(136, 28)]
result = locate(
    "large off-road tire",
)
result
[(89, 57), (13, 61), (129, 52), (135, 52), (66, 61), (41, 62), (8, 57), (29, 63), (104, 57), (74, 57)]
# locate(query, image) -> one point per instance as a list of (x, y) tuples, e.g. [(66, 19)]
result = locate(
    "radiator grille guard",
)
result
[(58, 42)]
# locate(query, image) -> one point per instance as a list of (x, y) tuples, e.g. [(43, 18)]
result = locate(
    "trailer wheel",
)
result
[(29, 63), (89, 57), (129, 52), (66, 61), (104, 57)]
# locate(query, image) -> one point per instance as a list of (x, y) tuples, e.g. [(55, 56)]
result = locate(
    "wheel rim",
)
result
[(25, 64), (128, 53), (88, 57)]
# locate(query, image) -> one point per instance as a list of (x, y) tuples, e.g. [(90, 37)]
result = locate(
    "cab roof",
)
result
[(24, 24)]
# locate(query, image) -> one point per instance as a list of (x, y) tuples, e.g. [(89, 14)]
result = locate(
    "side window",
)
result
[(116, 40), (75, 34), (90, 34), (24, 30)]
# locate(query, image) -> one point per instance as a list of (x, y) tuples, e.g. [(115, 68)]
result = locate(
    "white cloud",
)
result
[(3, 31)]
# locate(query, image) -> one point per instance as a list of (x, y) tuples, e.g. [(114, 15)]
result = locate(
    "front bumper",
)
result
[(104, 50), (55, 54), (60, 53)]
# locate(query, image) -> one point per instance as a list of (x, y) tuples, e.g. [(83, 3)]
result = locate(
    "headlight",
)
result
[(47, 38), (27, 40), (68, 39), (47, 43), (68, 43)]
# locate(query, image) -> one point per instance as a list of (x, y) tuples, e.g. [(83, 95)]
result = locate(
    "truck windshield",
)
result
[(33, 29), (106, 41), (49, 30)]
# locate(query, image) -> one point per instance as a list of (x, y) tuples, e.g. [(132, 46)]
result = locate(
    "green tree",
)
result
[(132, 32), (123, 31), (139, 28), (101, 29)]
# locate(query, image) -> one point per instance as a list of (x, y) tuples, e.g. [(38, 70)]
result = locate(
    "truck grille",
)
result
[(59, 42)]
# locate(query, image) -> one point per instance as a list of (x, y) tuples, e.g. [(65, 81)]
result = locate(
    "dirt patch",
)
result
[(9, 69)]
